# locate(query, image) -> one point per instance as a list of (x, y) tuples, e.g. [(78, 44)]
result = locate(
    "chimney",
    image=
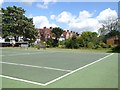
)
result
[(44, 27), (50, 27), (67, 30)]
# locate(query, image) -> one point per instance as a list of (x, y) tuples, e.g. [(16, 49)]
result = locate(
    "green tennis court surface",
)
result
[(43, 68)]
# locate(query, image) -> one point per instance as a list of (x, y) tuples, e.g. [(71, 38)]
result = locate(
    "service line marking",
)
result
[(52, 81), (26, 65)]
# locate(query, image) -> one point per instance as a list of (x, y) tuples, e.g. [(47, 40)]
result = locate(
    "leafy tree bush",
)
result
[(116, 49), (97, 46), (62, 44), (72, 43), (103, 45), (91, 45), (88, 39), (16, 24), (57, 33), (49, 42)]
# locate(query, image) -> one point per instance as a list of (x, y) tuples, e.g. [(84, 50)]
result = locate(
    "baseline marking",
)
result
[(18, 79), (77, 69), (26, 65), (36, 83)]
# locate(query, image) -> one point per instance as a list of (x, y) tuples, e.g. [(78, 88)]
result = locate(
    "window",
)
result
[(116, 41)]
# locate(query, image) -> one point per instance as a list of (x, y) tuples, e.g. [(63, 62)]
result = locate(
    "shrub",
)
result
[(103, 45), (72, 43), (38, 46), (116, 49), (90, 45), (61, 44), (67, 43), (49, 42), (110, 46), (7, 40), (97, 46)]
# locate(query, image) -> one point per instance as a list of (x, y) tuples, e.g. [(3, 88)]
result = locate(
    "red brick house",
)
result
[(67, 34), (45, 33), (114, 41)]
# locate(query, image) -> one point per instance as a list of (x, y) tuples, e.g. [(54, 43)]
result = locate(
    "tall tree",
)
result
[(57, 33), (109, 26), (15, 23), (87, 37), (110, 30)]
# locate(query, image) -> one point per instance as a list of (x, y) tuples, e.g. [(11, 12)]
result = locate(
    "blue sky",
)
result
[(56, 8), (66, 14)]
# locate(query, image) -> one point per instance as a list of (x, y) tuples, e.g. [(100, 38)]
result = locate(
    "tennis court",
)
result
[(43, 67)]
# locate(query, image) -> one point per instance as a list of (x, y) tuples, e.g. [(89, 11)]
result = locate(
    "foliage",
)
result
[(103, 45), (16, 24), (39, 45), (49, 42), (91, 45), (110, 29), (109, 26), (116, 49), (57, 33), (72, 43), (62, 44), (112, 33), (55, 43), (86, 38)]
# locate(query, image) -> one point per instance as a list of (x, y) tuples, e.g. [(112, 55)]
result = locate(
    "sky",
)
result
[(73, 16)]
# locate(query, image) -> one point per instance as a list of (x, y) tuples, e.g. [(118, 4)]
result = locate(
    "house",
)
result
[(68, 34), (113, 41), (45, 33)]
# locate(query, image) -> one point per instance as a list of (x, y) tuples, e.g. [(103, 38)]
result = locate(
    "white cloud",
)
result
[(80, 23), (45, 4), (42, 21), (65, 17), (52, 17), (89, 24), (48, 1), (27, 2), (107, 15), (84, 21), (84, 14)]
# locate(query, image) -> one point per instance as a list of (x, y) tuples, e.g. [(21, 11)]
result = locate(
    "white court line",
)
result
[(46, 52), (26, 65), (27, 53), (22, 80), (52, 81), (77, 69)]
